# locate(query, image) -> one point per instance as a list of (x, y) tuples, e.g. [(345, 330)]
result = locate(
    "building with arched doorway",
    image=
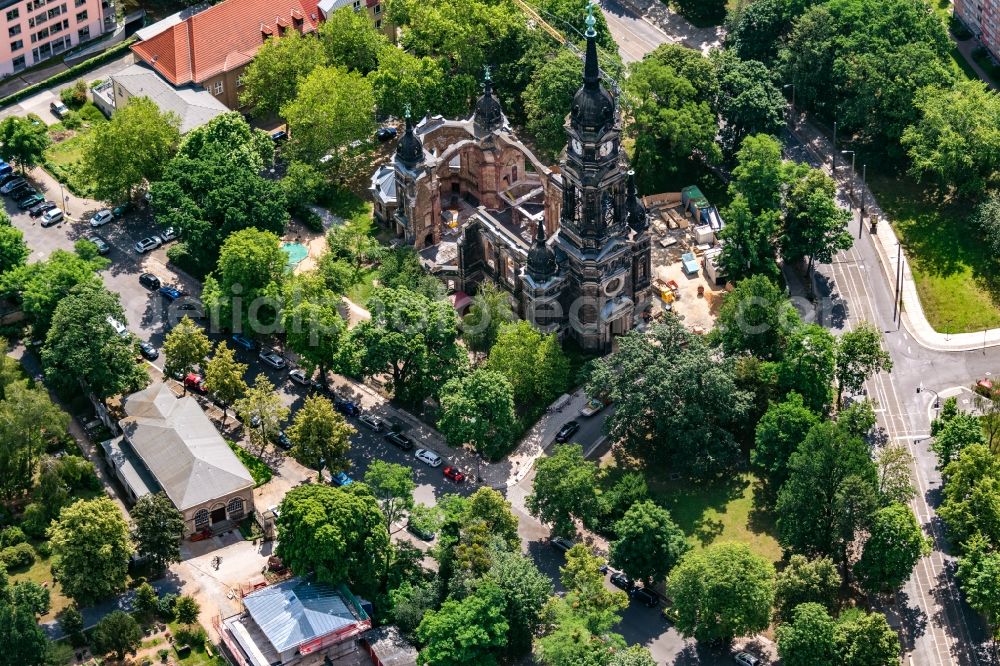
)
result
[(169, 445), (569, 243)]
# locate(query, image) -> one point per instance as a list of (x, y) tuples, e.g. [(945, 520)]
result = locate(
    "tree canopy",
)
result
[(91, 549), (756, 318), (23, 140), (649, 542), (563, 488), (157, 528), (895, 544), (809, 638), (478, 409), (320, 436), (272, 78)]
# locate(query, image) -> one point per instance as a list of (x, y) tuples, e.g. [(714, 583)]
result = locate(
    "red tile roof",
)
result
[(222, 37)]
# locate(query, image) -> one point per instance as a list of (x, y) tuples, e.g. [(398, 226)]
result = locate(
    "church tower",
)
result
[(602, 228)]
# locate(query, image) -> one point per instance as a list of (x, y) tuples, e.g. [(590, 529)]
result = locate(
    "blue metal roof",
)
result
[(297, 611)]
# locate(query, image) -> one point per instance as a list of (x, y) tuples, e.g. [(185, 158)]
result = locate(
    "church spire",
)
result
[(591, 69), (409, 151), (488, 116), (541, 260), (593, 107)]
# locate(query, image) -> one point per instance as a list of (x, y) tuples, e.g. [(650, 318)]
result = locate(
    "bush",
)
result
[(167, 603), (191, 636), (310, 220), (11, 536), (17, 557), (71, 120), (163, 653), (35, 520), (74, 96), (958, 29), (44, 549)]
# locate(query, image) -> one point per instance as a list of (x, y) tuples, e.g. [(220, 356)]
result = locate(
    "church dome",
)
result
[(541, 260), (410, 151), (488, 116), (593, 106)]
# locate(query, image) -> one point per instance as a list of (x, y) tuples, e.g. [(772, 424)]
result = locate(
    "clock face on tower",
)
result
[(577, 147), (606, 148)]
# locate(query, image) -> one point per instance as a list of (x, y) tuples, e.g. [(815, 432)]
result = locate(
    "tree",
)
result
[(29, 423), (670, 90), (412, 339), (250, 271), (130, 149), (779, 432), (393, 487), (535, 365), (755, 29), (119, 633), (224, 377), (22, 641), (525, 590), (696, 434), (187, 609), (272, 78), (23, 141), (13, 250), (90, 549), (986, 219), (350, 40), (489, 311), (338, 534), (957, 433), (563, 489), (478, 409), (806, 581), (261, 405), (229, 139), (759, 174), (598, 607), (865, 70), (972, 496), (721, 592), (815, 226), (71, 622), (321, 436), (329, 92), (895, 544), (866, 639), (30, 596), (649, 543), (809, 366), (147, 601), (979, 576), (859, 356), (421, 82), (82, 345), (470, 631), (571, 642), (489, 507), (157, 529), (953, 139), (750, 241), (748, 100), (756, 318), (811, 503), (894, 463), (185, 348), (702, 12), (313, 326), (569, 15), (809, 638), (635, 655)]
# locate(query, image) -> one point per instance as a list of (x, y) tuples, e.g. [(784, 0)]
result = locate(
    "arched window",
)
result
[(201, 519), (235, 508)]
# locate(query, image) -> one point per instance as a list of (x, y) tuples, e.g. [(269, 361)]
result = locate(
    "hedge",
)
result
[(69, 74), (16, 557)]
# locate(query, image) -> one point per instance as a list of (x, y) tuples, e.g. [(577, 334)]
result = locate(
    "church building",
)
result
[(569, 244)]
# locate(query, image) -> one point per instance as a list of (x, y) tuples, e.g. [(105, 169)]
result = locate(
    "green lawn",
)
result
[(258, 469), (63, 157), (362, 290), (956, 277), (41, 573)]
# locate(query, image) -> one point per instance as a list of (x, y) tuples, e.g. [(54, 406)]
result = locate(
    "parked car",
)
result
[(341, 479), (38, 209), (428, 457), (101, 218), (567, 431), (170, 293), (419, 532), (147, 244), (400, 441), (195, 382), (102, 245), (620, 580), (298, 375), (5, 170), (8, 174), (279, 136), (148, 351), (272, 358), (646, 597), (52, 216), (168, 235), (9, 186), (746, 659), (149, 281), (21, 190), (559, 543), (29, 201), (454, 474), (386, 134), (243, 341), (593, 406), (281, 439), (58, 109), (347, 407), (372, 422), (191, 308)]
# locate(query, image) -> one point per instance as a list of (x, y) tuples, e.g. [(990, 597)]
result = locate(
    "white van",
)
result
[(119, 327)]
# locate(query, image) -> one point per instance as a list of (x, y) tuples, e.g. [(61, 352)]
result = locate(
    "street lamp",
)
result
[(937, 398), (834, 149), (864, 196), (844, 152)]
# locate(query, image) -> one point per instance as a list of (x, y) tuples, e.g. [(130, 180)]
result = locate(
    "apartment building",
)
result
[(375, 10), (982, 18), (40, 29)]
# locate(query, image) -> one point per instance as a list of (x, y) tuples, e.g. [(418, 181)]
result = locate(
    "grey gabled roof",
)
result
[(181, 448), (298, 610), (194, 105)]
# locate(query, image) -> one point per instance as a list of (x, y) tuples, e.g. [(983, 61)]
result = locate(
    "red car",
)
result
[(193, 382), (454, 474)]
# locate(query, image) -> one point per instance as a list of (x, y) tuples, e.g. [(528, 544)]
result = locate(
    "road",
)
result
[(635, 37)]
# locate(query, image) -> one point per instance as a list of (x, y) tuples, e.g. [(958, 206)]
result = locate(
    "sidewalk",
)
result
[(676, 26), (886, 244), (966, 47), (73, 206)]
